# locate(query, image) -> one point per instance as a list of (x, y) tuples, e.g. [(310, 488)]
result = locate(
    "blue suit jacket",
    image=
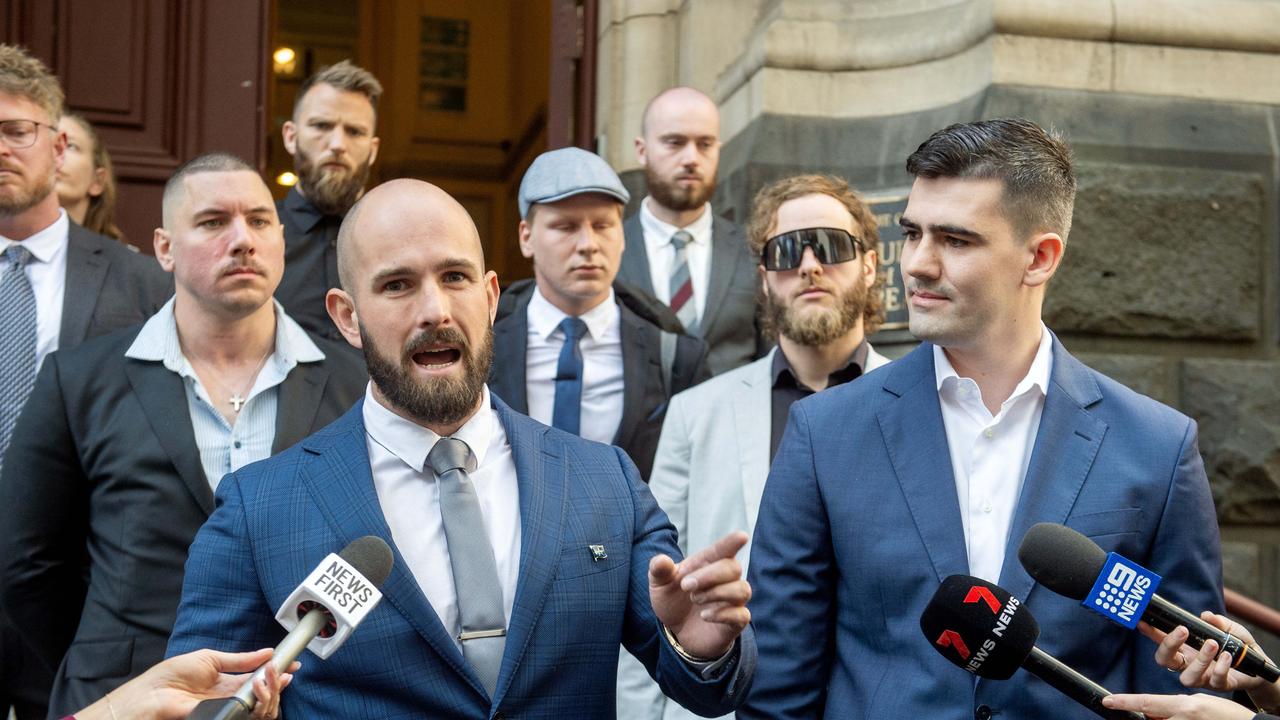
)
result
[(860, 522), (277, 519)]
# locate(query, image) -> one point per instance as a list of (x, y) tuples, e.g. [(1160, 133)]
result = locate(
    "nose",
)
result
[(809, 265), (587, 243), (920, 259), (337, 141), (433, 307), (241, 241)]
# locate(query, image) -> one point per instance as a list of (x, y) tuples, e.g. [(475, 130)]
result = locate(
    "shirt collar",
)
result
[(1037, 376), (411, 442), (851, 370), (158, 342), (303, 213), (44, 244), (658, 233), (545, 318)]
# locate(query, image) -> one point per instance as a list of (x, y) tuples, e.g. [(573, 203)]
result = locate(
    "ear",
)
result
[(342, 310), (373, 149), (764, 278), (526, 244), (1045, 256), (99, 182), (870, 261), (289, 133), (641, 151), (492, 291), (162, 243)]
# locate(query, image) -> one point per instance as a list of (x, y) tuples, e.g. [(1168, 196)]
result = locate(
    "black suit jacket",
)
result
[(105, 492), (108, 287), (729, 323), (644, 393)]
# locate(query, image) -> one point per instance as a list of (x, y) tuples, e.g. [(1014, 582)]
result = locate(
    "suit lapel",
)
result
[(634, 269), (542, 476), (341, 483), (1067, 441), (639, 341), (510, 344), (725, 257), (917, 444), (753, 425), (86, 271), (164, 400), (300, 396)]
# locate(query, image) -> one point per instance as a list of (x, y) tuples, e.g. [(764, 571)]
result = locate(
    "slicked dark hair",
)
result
[(345, 76), (1033, 163)]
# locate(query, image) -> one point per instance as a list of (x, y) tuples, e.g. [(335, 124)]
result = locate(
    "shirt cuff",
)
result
[(707, 669)]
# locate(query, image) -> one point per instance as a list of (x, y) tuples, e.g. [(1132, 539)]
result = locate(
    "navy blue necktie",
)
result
[(566, 413)]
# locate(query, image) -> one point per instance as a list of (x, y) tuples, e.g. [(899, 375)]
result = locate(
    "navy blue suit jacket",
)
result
[(277, 519), (859, 523)]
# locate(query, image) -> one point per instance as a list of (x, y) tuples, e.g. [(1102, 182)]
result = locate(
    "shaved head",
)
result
[(390, 208), (678, 100)]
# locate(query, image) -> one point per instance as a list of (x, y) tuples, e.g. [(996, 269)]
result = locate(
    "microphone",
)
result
[(980, 627), (319, 614), (1122, 591)]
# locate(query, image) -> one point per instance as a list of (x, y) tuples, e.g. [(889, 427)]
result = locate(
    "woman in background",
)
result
[(86, 183)]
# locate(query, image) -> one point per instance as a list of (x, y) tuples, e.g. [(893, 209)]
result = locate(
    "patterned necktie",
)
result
[(566, 412), (17, 340), (482, 622), (682, 284)]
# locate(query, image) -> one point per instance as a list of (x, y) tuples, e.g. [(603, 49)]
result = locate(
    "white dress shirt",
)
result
[(47, 273), (409, 494), (989, 455), (601, 347), (662, 254)]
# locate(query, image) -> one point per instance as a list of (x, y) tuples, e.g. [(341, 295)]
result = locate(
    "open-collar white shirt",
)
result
[(990, 454)]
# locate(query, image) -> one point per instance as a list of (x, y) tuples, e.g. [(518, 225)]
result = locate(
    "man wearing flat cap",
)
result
[(573, 348)]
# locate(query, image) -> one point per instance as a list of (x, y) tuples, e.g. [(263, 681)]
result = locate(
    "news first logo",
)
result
[(341, 590), (1123, 591)]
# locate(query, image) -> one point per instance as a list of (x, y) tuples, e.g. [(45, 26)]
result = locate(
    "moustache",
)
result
[(435, 337)]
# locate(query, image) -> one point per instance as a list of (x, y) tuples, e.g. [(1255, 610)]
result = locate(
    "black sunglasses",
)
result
[(830, 246)]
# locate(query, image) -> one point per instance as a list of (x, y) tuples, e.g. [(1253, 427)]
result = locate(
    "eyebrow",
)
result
[(223, 211), (941, 229), (445, 264)]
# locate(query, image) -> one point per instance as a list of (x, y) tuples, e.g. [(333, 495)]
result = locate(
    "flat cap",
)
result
[(559, 174)]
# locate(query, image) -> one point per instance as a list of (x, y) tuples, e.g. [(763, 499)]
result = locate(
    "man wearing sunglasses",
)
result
[(940, 463), (817, 267), (59, 286)]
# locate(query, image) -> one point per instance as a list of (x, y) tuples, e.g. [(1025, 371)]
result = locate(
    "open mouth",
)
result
[(440, 358)]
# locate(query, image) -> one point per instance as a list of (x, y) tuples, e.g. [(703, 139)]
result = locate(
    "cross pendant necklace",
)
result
[(238, 399), (237, 402)]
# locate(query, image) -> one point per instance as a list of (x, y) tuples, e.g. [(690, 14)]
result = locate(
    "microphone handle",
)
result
[(240, 706), (1164, 615), (1067, 681)]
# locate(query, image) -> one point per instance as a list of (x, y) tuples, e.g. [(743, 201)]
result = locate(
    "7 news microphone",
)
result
[(1122, 591), (980, 627), (319, 614)]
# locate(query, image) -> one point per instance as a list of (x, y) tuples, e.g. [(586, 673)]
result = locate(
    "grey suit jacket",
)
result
[(107, 476), (729, 324), (108, 287)]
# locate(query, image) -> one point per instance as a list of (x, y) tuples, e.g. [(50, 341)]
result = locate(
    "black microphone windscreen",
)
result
[(1061, 559), (979, 626), (371, 557)]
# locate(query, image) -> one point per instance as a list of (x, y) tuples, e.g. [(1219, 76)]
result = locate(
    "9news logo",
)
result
[(1122, 591)]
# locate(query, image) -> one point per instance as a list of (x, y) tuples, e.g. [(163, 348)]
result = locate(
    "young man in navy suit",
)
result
[(938, 464), (565, 555)]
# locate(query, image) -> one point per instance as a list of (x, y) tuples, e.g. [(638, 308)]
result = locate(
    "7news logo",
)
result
[(1122, 591)]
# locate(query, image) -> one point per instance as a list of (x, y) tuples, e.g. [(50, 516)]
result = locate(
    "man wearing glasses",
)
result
[(814, 241), (59, 285)]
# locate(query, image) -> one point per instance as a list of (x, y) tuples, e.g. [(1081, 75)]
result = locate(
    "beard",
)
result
[(329, 191), (24, 198), (441, 401), (822, 326), (674, 197)]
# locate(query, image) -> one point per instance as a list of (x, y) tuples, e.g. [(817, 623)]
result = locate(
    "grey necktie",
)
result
[(475, 573), (17, 340), (682, 283)]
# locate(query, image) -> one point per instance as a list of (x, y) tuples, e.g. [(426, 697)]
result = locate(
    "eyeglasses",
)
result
[(19, 134), (830, 246)]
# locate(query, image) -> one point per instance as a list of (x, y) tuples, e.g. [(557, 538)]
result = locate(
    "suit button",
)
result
[(499, 716), (982, 712)]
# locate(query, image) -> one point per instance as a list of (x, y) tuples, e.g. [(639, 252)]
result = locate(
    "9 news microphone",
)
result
[(1122, 591), (319, 614), (980, 627)]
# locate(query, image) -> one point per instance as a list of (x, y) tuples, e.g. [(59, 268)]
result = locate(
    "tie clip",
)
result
[(477, 634)]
